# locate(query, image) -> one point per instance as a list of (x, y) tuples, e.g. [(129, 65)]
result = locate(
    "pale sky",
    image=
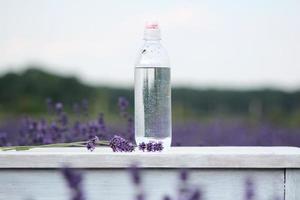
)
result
[(231, 44)]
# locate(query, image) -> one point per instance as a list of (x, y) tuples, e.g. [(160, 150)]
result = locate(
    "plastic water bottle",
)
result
[(152, 91)]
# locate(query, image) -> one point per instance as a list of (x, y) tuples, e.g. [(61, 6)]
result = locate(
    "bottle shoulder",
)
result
[(152, 54)]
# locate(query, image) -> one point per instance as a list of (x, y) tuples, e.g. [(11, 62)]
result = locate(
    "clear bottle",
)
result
[(152, 91)]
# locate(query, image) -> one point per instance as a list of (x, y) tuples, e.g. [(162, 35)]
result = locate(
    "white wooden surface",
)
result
[(219, 171), (292, 184), (176, 157), (115, 184)]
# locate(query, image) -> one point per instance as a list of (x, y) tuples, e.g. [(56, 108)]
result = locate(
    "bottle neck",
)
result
[(152, 41), (153, 54), (152, 34)]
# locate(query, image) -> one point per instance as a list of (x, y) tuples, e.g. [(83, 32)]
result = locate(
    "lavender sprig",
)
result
[(91, 144), (151, 146), (142, 146), (119, 144)]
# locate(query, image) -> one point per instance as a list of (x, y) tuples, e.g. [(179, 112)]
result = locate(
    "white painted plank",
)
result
[(175, 157), (292, 184), (115, 184)]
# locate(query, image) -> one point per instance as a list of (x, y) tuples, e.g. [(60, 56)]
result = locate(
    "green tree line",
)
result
[(26, 92)]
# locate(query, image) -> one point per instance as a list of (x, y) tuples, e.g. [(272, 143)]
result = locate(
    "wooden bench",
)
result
[(221, 172)]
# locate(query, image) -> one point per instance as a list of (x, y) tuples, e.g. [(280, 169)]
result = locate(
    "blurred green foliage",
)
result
[(27, 91)]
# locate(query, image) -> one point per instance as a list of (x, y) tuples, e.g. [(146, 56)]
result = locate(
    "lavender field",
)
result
[(37, 107), (59, 126)]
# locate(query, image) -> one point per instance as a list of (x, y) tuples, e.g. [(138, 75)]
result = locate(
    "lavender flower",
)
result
[(167, 197), (123, 103), (196, 195), (183, 175), (59, 107), (93, 129), (3, 139), (47, 138), (101, 122), (74, 181), (249, 192), (140, 196), (91, 144), (50, 106), (135, 174), (158, 146), (76, 108), (130, 126), (185, 190), (151, 146), (119, 144), (85, 106), (142, 146), (63, 119), (136, 179)]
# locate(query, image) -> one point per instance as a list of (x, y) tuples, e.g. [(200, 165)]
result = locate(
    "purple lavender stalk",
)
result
[(91, 144), (158, 146), (140, 196), (135, 175), (74, 181), (101, 123), (151, 146), (142, 146), (58, 108), (136, 180), (123, 103), (183, 175), (167, 197), (85, 106), (50, 106), (3, 139), (249, 192), (119, 144), (196, 195)]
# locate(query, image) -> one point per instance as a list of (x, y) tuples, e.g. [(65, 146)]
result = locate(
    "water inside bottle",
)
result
[(153, 105)]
